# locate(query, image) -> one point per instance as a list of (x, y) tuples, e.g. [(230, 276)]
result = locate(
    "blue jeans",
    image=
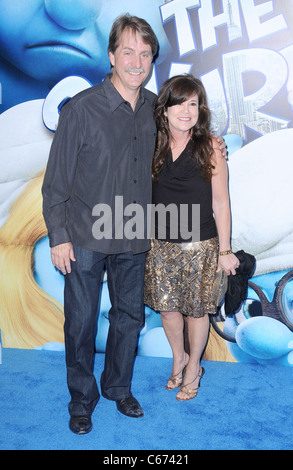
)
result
[(125, 274)]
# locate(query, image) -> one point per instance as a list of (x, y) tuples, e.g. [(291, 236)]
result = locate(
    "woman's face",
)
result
[(183, 117)]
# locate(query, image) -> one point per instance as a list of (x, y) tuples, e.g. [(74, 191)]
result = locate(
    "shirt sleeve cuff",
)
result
[(58, 237)]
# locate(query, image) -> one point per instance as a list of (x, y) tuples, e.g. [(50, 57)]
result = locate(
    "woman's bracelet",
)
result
[(228, 252)]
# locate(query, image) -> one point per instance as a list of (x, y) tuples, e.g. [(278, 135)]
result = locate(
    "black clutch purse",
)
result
[(220, 286)]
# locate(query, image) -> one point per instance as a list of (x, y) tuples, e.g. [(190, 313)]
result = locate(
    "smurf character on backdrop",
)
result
[(44, 41)]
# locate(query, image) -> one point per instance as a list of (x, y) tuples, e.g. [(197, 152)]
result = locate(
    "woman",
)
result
[(188, 169)]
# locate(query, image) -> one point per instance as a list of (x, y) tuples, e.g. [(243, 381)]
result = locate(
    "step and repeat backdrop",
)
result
[(242, 50)]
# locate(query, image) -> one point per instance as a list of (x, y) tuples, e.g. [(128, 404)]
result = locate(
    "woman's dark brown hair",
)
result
[(175, 91)]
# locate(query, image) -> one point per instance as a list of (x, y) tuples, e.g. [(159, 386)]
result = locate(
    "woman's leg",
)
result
[(173, 324), (198, 331)]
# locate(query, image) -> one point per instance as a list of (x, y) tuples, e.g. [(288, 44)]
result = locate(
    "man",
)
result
[(103, 148)]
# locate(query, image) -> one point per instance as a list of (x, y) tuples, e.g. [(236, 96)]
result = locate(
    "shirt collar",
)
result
[(114, 97)]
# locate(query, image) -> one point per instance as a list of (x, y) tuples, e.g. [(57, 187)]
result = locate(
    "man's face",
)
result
[(131, 62)]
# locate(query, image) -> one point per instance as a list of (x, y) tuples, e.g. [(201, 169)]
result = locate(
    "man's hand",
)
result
[(61, 256), (222, 146)]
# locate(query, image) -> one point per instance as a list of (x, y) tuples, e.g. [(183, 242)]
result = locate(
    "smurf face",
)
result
[(51, 39), (48, 39)]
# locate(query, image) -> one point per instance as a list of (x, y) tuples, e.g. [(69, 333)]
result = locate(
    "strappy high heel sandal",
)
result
[(190, 392), (176, 379)]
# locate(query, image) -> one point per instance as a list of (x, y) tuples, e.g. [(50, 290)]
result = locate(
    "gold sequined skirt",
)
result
[(179, 277)]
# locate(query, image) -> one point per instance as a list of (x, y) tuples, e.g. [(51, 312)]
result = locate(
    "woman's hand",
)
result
[(229, 263)]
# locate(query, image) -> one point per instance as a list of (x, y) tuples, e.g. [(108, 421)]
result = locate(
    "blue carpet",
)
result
[(238, 407)]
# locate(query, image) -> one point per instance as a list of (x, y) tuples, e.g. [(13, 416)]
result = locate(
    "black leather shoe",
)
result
[(129, 407), (80, 424)]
